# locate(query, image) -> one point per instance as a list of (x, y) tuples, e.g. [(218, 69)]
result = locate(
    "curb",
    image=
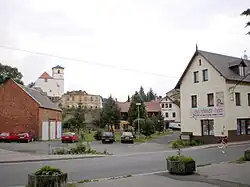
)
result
[(229, 145), (49, 159)]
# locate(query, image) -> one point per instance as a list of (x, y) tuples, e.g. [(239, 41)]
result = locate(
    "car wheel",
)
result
[(132, 142), (62, 141), (122, 141), (28, 141), (103, 141)]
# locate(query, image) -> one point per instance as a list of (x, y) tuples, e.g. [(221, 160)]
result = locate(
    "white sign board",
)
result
[(207, 112)]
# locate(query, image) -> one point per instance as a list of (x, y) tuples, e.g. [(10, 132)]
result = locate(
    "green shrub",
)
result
[(60, 151), (48, 170), (98, 135), (180, 158), (79, 149), (184, 143)]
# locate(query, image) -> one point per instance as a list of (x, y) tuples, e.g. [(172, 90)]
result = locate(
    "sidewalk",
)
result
[(14, 157), (215, 175)]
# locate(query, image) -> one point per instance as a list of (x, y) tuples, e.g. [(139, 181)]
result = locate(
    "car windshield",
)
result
[(4, 134), (107, 134), (127, 134), (68, 134)]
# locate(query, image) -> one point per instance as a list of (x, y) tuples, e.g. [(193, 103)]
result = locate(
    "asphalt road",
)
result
[(16, 174)]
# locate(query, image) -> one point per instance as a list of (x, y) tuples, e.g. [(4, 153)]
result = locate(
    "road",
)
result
[(16, 174)]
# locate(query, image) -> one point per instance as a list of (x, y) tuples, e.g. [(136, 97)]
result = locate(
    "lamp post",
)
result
[(138, 107)]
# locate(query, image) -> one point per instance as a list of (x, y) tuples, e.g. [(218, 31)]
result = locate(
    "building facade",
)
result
[(74, 98), (215, 97), (52, 85), (28, 110), (170, 110)]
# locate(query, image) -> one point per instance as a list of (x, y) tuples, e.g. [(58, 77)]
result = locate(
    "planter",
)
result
[(48, 181), (180, 167), (247, 155)]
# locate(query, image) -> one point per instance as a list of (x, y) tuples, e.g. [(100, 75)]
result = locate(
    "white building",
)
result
[(52, 85), (215, 97), (170, 110)]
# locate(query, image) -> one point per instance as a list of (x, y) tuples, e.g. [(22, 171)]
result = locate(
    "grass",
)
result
[(153, 136), (241, 160)]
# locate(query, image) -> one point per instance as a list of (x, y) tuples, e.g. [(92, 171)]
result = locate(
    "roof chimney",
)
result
[(245, 57)]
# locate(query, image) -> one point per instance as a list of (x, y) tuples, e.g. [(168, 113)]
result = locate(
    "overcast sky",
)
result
[(156, 36)]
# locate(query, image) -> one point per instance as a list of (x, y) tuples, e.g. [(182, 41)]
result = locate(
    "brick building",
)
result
[(25, 109)]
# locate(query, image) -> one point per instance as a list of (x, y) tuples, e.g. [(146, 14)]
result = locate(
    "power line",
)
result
[(86, 62)]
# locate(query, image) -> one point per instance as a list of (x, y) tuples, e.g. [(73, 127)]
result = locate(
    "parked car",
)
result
[(8, 137), (69, 137), (108, 137), (25, 137), (127, 137)]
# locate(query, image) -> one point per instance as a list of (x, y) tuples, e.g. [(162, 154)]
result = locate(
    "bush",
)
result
[(184, 143), (48, 171), (98, 135), (180, 158)]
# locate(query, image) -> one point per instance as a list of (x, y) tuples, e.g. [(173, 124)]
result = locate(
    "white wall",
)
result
[(174, 109), (234, 111), (215, 83)]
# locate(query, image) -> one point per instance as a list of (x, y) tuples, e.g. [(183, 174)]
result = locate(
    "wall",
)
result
[(50, 87), (215, 83), (170, 111), (19, 112), (48, 115)]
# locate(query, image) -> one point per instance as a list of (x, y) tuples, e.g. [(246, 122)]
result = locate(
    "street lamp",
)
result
[(138, 107)]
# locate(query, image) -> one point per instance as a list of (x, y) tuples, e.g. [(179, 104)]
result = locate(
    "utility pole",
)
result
[(138, 107)]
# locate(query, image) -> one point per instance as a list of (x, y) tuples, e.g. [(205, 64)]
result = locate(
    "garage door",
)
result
[(59, 129), (45, 130), (52, 130)]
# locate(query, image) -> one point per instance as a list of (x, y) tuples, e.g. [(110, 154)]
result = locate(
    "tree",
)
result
[(7, 72), (142, 94), (128, 100), (151, 95), (110, 114), (246, 13), (133, 109), (141, 123), (77, 121), (30, 85), (148, 128), (160, 123)]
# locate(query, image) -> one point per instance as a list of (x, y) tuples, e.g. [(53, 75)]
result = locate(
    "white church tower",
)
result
[(58, 76), (52, 85)]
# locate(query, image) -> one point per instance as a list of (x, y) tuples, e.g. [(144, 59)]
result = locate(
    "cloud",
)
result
[(155, 36)]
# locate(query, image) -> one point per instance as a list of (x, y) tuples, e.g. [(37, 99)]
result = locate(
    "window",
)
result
[(58, 71), (243, 126), (91, 98), (162, 105), (166, 114), (241, 70), (199, 62), (194, 101), (205, 75), (196, 76), (237, 99), (45, 80), (210, 99), (166, 105), (207, 127), (50, 90), (248, 98), (173, 114), (170, 105)]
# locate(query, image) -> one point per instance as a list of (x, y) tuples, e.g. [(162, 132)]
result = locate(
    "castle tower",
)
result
[(58, 76)]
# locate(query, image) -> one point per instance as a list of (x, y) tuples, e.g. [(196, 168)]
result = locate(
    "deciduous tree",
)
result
[(7, 72), (246, 13)]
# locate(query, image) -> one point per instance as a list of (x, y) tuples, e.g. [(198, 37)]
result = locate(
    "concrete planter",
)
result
[(247, 155), (48, 181), (180, 167)]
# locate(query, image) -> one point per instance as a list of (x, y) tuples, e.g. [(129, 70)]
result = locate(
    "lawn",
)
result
[(90, 136)]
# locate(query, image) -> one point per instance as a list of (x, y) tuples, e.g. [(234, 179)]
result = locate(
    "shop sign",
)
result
[(207, 112)]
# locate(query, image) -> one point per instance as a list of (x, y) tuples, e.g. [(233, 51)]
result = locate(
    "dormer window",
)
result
[(241, 70)]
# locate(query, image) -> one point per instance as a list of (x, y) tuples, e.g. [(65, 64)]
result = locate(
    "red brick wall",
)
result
[(48, 115), (18, 111)]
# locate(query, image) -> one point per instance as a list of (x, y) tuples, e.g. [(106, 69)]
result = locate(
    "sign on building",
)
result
[(219, 96), (207, 112)]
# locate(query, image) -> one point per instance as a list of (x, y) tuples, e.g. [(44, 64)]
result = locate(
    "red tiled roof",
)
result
[(45, 75), (152, 106)]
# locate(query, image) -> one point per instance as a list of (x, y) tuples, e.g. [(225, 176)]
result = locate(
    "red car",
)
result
[(8, 137), (69, 137), (25, 137)]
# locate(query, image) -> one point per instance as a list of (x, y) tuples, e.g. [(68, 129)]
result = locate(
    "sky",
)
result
[(120, 44)]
